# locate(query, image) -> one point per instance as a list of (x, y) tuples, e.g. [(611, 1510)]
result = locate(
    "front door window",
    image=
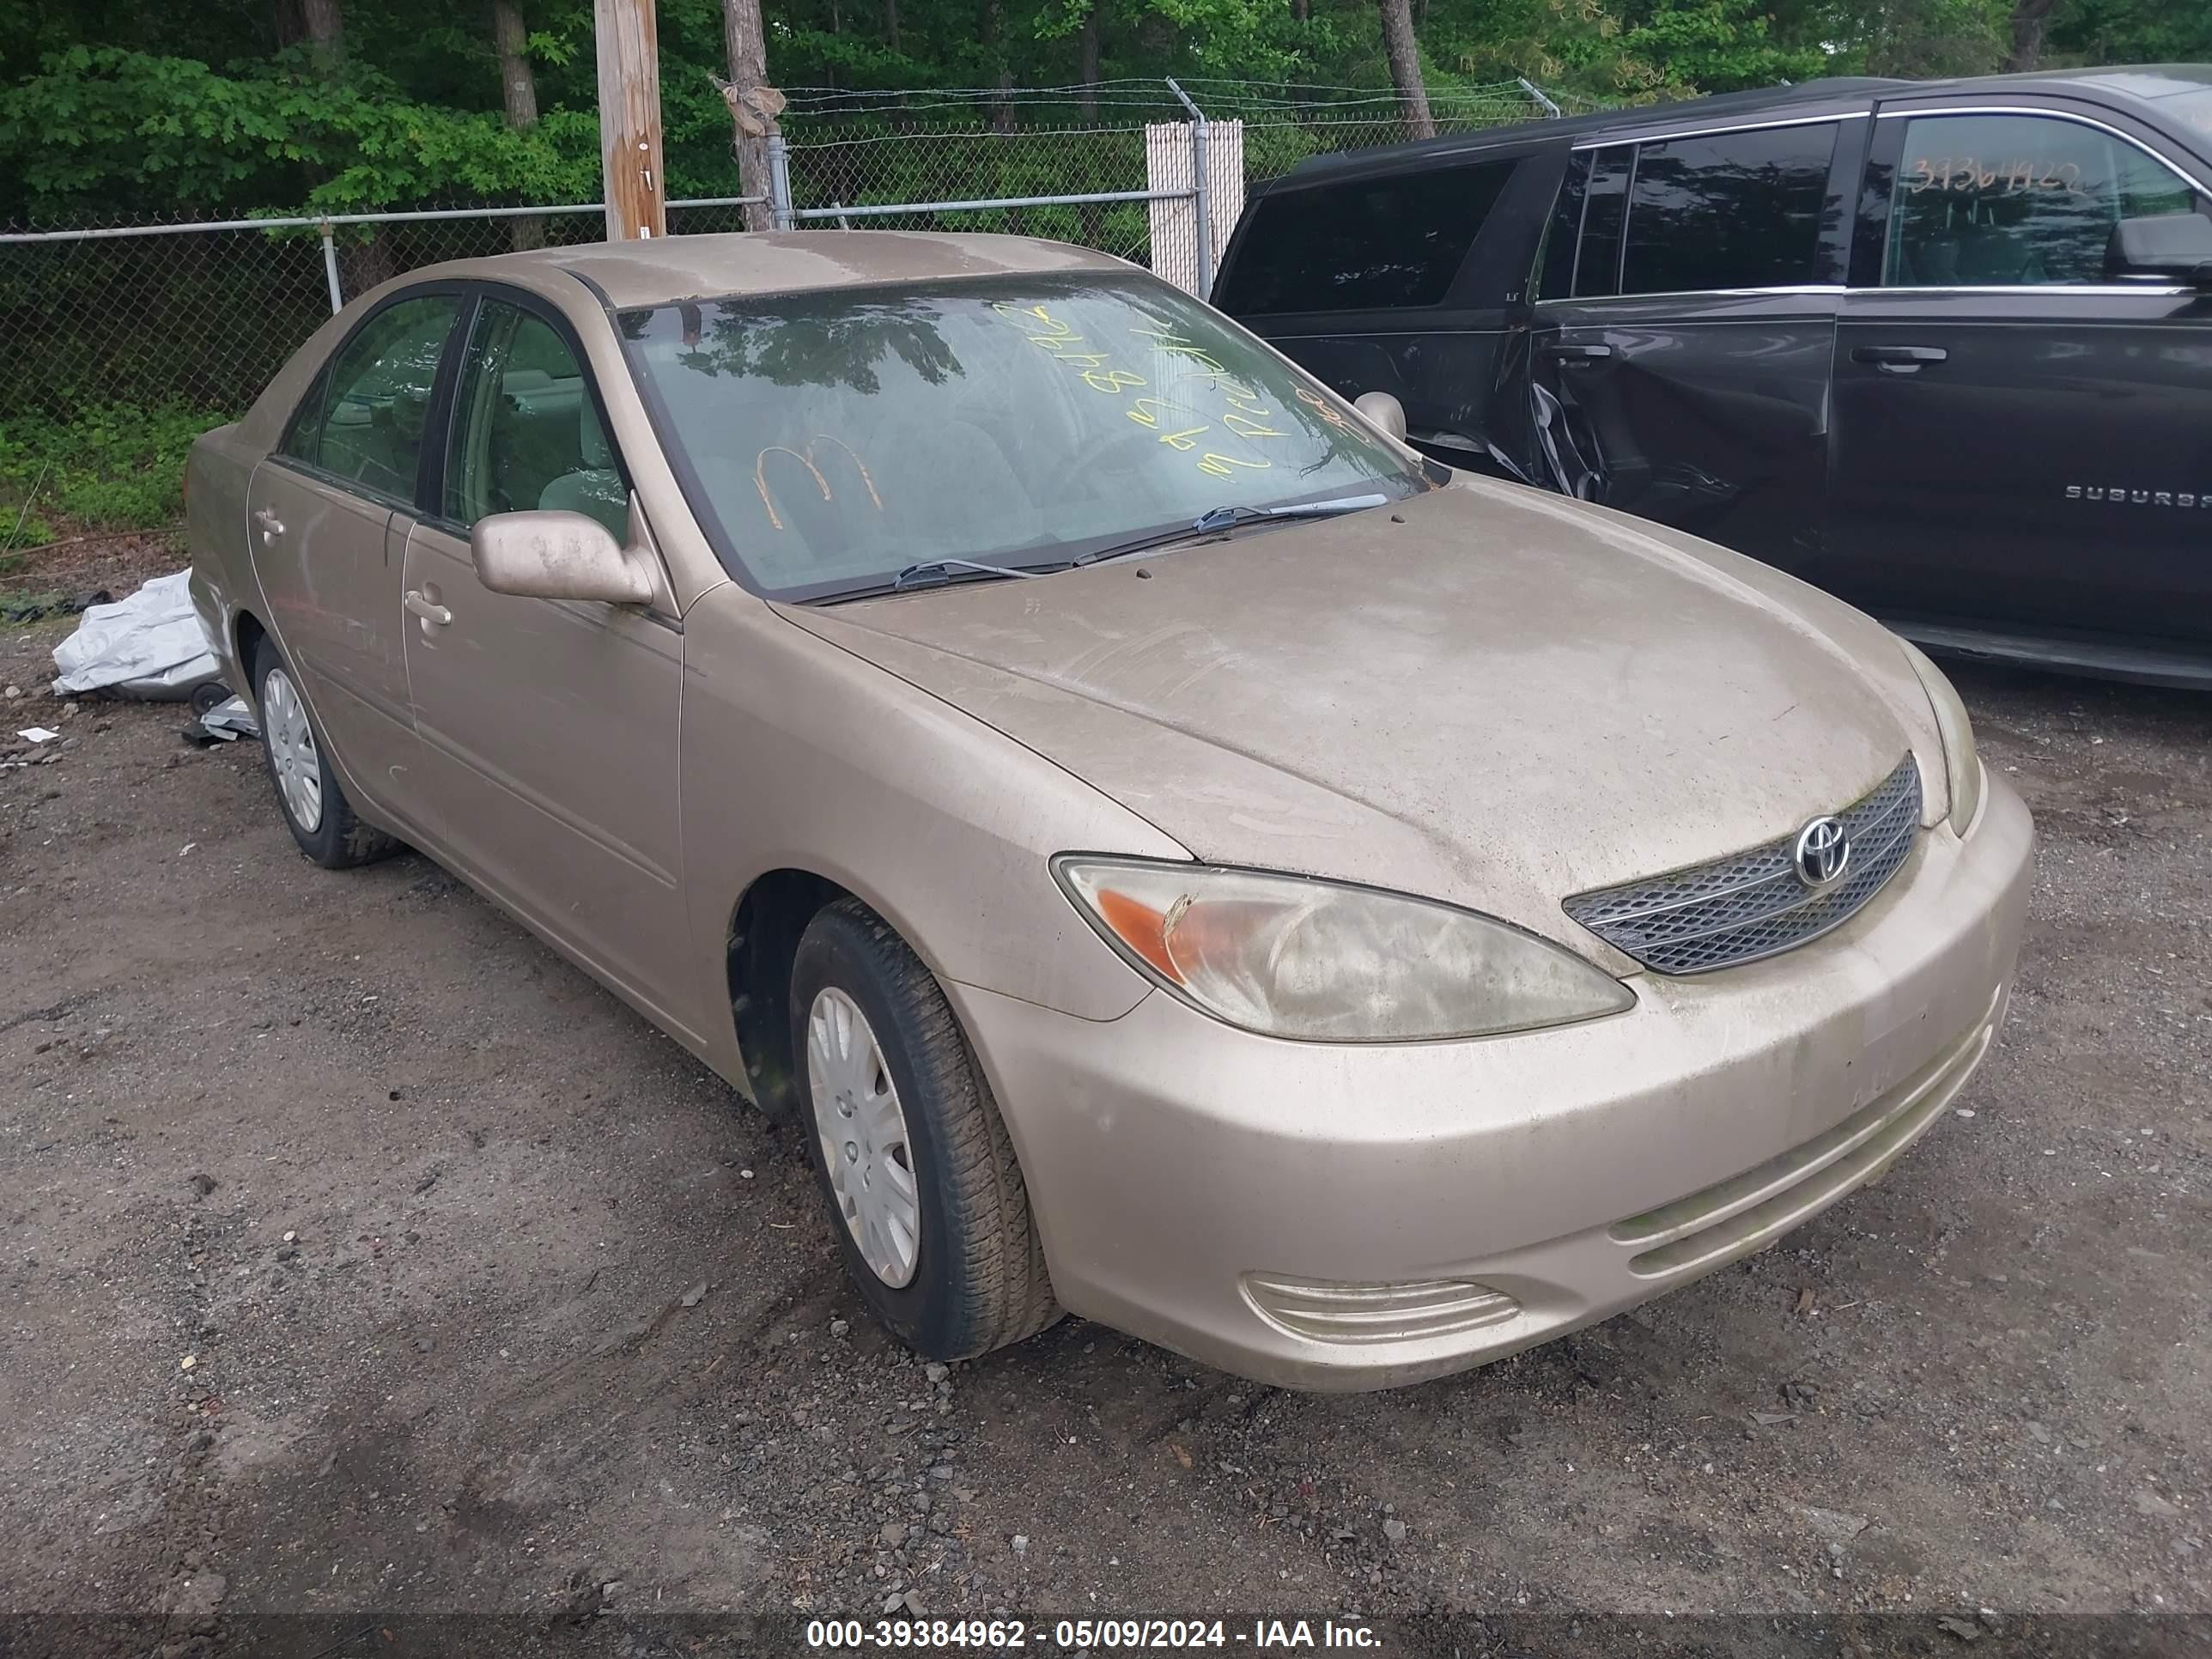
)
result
[(526, 432), (2017, 201)]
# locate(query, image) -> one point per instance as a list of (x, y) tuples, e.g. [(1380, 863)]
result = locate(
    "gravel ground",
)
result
[(365, 1261)]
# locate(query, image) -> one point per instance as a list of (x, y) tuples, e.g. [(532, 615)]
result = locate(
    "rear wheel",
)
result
[(315, 807), (927, 1201)]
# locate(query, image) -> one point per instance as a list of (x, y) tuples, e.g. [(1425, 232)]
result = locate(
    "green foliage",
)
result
[(118, 467), (128, 129), (2131, 32), (224, 117), (1680, 47)]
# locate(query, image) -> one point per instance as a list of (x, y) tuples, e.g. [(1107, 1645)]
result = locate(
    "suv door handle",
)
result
[(1584, 354), (429, 610), (270, 523), (1898, 359)]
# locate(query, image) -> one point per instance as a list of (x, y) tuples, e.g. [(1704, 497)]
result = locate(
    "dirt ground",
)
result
[(354, 1247)]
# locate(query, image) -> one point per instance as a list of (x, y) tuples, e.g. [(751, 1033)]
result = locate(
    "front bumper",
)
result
[(1354, 1217)]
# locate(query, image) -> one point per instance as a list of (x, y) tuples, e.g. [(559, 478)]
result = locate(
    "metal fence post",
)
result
[(1200, 203), (1551, 109), (779, 180), (331, 269)]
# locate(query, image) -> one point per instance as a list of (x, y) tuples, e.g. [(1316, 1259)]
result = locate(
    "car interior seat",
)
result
[(593, 484)]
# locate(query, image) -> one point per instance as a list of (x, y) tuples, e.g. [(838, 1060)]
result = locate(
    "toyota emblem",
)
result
[(1824, 852)]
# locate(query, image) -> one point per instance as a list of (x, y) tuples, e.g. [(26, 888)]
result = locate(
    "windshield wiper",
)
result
[(931, 572), (1216, 519)]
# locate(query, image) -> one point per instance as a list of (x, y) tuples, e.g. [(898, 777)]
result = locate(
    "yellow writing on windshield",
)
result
[(1058, 336), (1199, 394)]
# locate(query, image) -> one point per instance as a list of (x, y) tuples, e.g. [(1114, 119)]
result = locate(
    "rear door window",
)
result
[(1727, 210), (367, 429), (1362, 245), (2016, 201)]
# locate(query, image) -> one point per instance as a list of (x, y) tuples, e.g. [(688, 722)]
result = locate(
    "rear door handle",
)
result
[(1898, 359), (272, 525), (1584, 354), (429, 610)]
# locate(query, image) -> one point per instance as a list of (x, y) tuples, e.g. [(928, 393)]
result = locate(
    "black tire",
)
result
[(979, 1279), (339, 840)]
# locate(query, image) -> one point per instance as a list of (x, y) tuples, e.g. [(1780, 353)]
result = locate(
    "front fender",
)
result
[(798, 755)]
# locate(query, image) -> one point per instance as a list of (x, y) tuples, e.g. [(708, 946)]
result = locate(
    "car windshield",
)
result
[(830, 439)]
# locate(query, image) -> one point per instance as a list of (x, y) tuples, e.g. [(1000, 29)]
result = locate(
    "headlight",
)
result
[(1960, 758), (1292, 957)]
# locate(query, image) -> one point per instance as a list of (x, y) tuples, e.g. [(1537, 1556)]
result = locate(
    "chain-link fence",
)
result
[(197, 316), (203, 313), (986, 145)]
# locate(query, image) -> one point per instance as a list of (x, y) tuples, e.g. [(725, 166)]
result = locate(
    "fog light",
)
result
[(1323, 1311)]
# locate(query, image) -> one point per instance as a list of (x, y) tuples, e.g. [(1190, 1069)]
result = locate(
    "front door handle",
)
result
[(272, 525), (432, 613), (1898, 359), (1579, 354)]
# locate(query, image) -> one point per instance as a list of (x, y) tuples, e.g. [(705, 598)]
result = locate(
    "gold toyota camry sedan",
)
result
[(1185, 858)]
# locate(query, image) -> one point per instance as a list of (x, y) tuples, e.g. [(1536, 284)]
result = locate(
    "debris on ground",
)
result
[(225, 719), (35, 607), (150, 645)]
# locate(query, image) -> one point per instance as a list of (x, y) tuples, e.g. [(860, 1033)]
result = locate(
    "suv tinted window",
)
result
[(368, 428), (1366, 244), (2000, 201), (1736, 210), (1597, 269)]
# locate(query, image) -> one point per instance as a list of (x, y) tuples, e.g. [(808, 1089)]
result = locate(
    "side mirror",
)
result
[(557, 556), (1383, 410), (2177, 247)]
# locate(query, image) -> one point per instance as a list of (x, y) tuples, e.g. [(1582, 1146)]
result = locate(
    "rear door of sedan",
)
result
[(2021, 432), (327, 521), (1684, 323), (548, 727)]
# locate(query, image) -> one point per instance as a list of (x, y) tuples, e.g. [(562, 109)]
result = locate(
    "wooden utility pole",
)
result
[(630, 118)]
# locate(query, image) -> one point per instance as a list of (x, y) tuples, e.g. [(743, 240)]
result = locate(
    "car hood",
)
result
[(1484, 693)]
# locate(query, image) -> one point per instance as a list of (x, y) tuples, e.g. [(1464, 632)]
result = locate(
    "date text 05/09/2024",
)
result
[(1091, 1635)]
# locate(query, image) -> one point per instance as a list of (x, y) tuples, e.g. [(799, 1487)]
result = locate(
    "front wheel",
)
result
[(927, 1201), (315, 807)]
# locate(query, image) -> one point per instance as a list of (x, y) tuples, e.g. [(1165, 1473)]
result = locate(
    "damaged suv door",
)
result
[(1685, 325)]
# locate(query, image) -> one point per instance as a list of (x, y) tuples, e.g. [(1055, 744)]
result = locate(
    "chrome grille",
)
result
[(1753, 905)]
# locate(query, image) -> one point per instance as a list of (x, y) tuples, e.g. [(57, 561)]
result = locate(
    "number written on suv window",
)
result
[(2016, 201)]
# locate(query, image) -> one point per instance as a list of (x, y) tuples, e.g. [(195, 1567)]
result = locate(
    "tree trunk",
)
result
[(518, 91), (747, 49), (1091, 214), (1002, 109), (1405, 67), (891, 24), (1302, 9), (2029, 19), (325, 31)]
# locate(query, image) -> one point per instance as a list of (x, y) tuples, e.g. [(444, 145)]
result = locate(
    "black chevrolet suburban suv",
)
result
[(1944, 348)]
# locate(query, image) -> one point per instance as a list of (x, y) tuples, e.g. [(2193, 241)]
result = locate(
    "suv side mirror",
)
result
[(557, 556), (2174, 245), (1383, 410)]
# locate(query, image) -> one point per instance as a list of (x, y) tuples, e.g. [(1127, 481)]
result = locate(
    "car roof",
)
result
[(2138, 82), (666, 268)]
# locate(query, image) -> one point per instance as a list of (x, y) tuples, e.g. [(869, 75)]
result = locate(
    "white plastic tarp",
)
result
[(150, 645)]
